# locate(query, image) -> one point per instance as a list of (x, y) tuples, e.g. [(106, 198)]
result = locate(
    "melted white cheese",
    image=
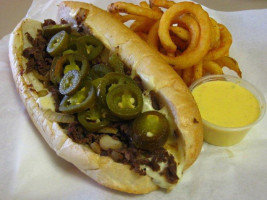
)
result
[(46, 102), (148, 81), (156, 177), (147, 105)]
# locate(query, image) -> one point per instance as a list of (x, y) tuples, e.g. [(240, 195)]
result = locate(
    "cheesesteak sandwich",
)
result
[(104, 100)]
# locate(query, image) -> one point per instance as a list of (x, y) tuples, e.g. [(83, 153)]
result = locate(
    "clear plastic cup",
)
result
[(225, 136)]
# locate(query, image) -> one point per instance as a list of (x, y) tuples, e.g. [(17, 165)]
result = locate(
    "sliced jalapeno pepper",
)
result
[(71, 62), (76, 46), (70, 83), (68, 51), (50, 30), (109, 115), (74, 33), (109, 81), (80, 101), (99, 71), (92, 120), (150, 130), (96, 82), (58, 43), (54, 79), (125, 101), (116, 63), (91, 46)]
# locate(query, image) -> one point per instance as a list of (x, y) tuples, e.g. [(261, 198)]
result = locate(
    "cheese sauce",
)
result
[(226, 104)]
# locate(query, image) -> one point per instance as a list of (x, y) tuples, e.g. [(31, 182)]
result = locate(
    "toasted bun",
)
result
[(154, 72)]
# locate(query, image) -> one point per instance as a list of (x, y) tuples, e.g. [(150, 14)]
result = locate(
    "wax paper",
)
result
[(29, 169)]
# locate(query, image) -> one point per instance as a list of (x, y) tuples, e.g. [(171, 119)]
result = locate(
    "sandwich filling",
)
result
[(100, 102)]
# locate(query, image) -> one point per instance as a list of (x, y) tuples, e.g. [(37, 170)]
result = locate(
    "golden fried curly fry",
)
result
[(161, 3), (142, 25), (198, 70), (187, 75), (181, 45), (186, 37), (230, 63), (144, 4), (134, 9), (125, 18), (183, 34), (215, 34), (212, 67), (153, 38), (192, 57), (180, 32), (225, 43), (192, 25)]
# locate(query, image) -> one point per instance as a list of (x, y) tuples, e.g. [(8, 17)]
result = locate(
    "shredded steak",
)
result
[(130, 155), (48, 22), (38, 58)]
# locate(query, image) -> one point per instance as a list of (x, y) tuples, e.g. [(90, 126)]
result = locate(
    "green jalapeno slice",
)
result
[(58, 43), (80, 101), (92, 120), (74, 33), (50, 30), (96, 82), (76, 46), (73, 62), (54, 79), (70, 83), (150, 130), (66, 63), (99, 71), (90, 46), (116, 63), (125, 101), (110, 81)]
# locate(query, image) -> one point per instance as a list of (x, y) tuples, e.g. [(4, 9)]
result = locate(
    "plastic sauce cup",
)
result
[(227, 136)]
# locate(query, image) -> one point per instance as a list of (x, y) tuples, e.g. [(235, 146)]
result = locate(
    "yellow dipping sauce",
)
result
[(226, 104)]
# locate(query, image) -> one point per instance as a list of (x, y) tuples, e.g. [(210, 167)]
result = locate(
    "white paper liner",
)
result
[(29, 169)]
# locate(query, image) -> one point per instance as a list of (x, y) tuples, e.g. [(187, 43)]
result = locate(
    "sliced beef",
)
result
[(79, 135), (63, 21), (76, 133), (129, 155), (170, 171), (48, 22), (38, 58)]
